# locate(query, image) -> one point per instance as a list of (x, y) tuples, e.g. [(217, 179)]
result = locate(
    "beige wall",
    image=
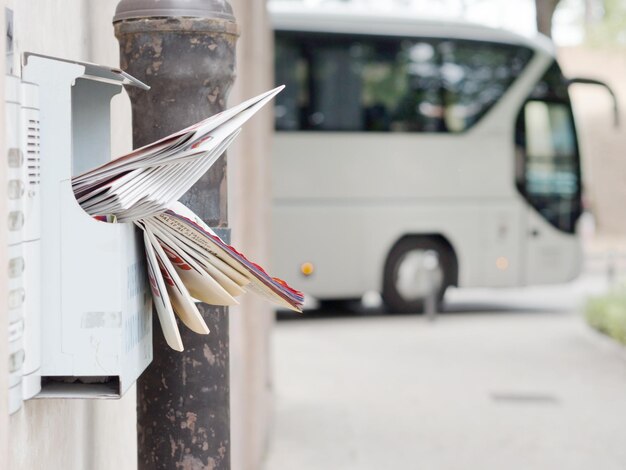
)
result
[(249, 188), (602, 145), (63, 434), (90, 435)]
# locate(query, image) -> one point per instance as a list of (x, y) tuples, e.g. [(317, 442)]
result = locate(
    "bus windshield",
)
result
[(548, 164)]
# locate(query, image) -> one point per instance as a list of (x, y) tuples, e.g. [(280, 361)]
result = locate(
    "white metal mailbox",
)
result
[(31, 245), (95, 331)]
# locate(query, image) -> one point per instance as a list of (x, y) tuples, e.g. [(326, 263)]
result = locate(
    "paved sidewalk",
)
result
[(530, 387)]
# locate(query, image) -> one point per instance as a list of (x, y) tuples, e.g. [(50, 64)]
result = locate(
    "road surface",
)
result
[(505, 380)]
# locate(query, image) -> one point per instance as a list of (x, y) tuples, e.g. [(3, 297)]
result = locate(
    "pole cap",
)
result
[(138, 9)]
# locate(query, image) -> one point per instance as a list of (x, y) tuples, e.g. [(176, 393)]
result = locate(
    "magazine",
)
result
[(187, 261)]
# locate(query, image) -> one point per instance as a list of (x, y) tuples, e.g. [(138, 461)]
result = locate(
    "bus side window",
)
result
[(291, 72), (475, 75), (377, 117), (362, 83), (336, 88), (421, 107)]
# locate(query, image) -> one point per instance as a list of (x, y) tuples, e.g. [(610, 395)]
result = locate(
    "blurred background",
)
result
[(447, 189)]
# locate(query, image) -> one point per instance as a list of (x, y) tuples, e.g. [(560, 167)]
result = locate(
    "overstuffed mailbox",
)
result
[(84, 328), (95, 327)]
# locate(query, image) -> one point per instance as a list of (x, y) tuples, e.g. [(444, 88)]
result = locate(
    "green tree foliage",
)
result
[(608, 314), (608, 28)]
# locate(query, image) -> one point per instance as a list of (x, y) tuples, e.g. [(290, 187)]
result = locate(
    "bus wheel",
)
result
[(407, 279)]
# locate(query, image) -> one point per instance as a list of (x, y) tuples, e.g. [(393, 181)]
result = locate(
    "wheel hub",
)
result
[(419, 273)]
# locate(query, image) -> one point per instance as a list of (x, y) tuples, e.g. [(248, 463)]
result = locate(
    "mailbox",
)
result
[(81, 322)]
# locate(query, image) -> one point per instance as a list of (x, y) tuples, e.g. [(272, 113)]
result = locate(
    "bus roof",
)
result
[(344, 19)]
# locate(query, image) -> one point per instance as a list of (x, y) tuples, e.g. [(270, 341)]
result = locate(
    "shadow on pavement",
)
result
[(354, 308)]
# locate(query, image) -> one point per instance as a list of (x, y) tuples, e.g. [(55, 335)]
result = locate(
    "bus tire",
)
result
[(399, 294)]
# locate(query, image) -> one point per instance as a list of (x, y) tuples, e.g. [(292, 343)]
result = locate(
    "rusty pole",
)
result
[(185, 50)]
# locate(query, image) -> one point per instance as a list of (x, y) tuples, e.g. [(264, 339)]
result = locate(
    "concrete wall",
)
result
[(89, 435)]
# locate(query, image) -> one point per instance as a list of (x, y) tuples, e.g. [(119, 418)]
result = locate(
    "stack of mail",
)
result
[(145, 181), (187, 261)]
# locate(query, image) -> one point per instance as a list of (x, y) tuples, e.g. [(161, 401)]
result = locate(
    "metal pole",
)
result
[(431, 265), (185, 50), (611, 268)]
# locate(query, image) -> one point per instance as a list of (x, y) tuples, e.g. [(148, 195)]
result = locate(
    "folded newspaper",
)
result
[(187, 262)]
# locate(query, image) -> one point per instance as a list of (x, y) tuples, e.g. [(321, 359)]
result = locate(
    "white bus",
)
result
[(396, 137)]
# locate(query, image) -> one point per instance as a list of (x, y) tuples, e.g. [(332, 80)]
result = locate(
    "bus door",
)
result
[(548, 176), (549, 179)]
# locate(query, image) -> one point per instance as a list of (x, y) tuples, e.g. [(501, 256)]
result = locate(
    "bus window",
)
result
[(548, 167), (475, 76), (343, 82), (336, 87), (290, 71)]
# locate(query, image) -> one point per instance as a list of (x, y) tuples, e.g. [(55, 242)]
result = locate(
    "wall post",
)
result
[(185, 50)]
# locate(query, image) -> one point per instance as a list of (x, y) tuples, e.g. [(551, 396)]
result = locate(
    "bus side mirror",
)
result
[(592, 81)]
